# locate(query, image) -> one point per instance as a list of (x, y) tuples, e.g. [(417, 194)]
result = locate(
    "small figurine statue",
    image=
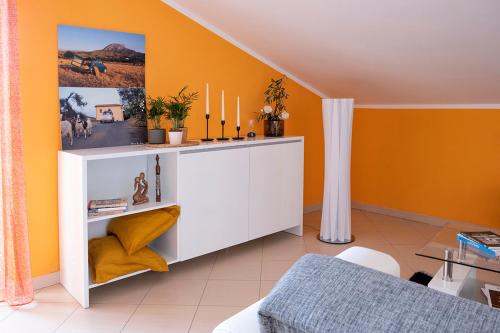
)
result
[(158, 187), (141, 190)]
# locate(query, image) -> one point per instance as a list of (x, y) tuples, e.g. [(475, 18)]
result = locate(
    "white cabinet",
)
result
[(229, 193), (276, 187), (213, 194)]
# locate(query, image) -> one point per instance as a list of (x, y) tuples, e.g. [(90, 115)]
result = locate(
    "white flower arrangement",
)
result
[(275, 97), (284, 116)]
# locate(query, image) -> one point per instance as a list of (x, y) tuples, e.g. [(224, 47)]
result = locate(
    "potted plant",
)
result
[(178, 109), (274, 112), (157, 108)]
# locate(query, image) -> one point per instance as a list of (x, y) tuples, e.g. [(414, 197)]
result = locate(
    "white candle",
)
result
[(238, 111), (222, 116), (207, 107)]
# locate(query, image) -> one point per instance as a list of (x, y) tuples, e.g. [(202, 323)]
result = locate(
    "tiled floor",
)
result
[(198, 294)]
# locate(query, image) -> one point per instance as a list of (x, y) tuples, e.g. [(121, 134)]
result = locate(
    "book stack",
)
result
[(107, 207), (492, 294), (485, 241)]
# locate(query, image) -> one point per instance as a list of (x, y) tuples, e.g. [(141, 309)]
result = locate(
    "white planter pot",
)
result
[(175, 138)]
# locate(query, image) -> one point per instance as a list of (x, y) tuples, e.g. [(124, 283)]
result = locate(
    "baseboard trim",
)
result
[(402, 214), (312, 208), (46, 280), (409, 216), (437, 221)]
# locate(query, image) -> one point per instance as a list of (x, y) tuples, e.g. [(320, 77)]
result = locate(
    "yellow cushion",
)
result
[(109, 260), (138, 230)]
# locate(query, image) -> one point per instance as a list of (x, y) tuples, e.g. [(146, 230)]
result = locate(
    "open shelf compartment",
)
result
[(166, 246), (114, 178)]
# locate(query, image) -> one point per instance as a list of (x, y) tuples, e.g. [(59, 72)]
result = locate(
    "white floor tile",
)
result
[(37, 317), (275, 269), (176, 292), (208, 317), (126, 291), (266, 287), (193, 269), (230, 293), (99, 318), (161, 319), (54, 294)]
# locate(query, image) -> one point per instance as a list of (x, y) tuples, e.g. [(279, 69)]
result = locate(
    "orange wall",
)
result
[(443, 163), (178, 52)]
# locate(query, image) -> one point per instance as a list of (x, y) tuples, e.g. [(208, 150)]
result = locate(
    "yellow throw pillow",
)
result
[(109, 260), (138, 230)]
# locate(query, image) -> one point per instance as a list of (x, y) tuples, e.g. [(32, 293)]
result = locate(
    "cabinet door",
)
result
[(213, 195), (276, 188)]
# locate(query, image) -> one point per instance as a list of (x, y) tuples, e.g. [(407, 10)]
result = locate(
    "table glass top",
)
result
[(446, 239)]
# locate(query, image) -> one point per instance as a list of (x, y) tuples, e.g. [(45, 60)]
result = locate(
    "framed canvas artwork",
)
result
[(101, 88)]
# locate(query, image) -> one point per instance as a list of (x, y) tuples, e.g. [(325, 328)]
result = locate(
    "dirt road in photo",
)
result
[(109, 134)]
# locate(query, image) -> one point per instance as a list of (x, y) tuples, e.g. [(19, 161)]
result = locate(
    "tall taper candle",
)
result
[(238, 111), (207, 107), (222, 116)]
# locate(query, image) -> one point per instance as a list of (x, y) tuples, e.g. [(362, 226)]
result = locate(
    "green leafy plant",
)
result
[(274, 97), (157, 108), (179, 106)]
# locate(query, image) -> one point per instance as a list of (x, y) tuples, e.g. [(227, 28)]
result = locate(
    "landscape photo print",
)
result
[(101, 88), (100, 58)]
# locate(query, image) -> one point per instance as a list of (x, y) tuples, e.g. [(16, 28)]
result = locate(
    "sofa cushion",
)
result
[(109, 260), (325, 294), (138, 230)]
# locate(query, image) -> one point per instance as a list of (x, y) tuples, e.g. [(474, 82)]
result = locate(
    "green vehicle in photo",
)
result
[(90, 65)]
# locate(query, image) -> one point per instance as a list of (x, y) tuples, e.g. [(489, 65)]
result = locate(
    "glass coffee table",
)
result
[(461, 264)]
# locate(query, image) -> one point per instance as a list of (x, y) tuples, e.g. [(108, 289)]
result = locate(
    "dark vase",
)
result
[(274, 127), (156, 136)]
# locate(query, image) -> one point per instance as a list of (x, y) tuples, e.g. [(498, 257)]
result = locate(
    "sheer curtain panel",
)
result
[(15, 272)]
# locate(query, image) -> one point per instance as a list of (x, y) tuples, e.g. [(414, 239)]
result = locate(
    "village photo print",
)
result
[(101, 88), (102, 117)]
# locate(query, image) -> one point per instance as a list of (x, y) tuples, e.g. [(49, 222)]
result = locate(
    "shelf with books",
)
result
[(132, 210)]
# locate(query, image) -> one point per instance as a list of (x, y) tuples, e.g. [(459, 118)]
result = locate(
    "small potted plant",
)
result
[(157, 108), (178, 109), (274, 112)]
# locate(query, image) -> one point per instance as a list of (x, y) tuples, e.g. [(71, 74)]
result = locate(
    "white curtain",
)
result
[(337, 126)]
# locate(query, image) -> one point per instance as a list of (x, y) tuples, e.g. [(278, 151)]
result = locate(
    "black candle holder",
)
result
[(207, 116), (238, 137), (222, 138)]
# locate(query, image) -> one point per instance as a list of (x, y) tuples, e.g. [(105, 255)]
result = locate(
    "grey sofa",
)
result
[(325, 294)]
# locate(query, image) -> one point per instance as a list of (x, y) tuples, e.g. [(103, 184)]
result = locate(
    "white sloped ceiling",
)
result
[(379, 52)]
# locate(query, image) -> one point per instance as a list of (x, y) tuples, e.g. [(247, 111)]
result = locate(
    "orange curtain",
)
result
[(15, 272)]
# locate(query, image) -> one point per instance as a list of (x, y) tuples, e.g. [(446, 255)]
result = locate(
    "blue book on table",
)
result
[(477, 245)]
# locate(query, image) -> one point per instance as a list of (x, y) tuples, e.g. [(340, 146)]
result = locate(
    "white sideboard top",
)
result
[(124, 151)]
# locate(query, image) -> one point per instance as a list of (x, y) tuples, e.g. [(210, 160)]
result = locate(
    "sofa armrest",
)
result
[(246, 321)]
